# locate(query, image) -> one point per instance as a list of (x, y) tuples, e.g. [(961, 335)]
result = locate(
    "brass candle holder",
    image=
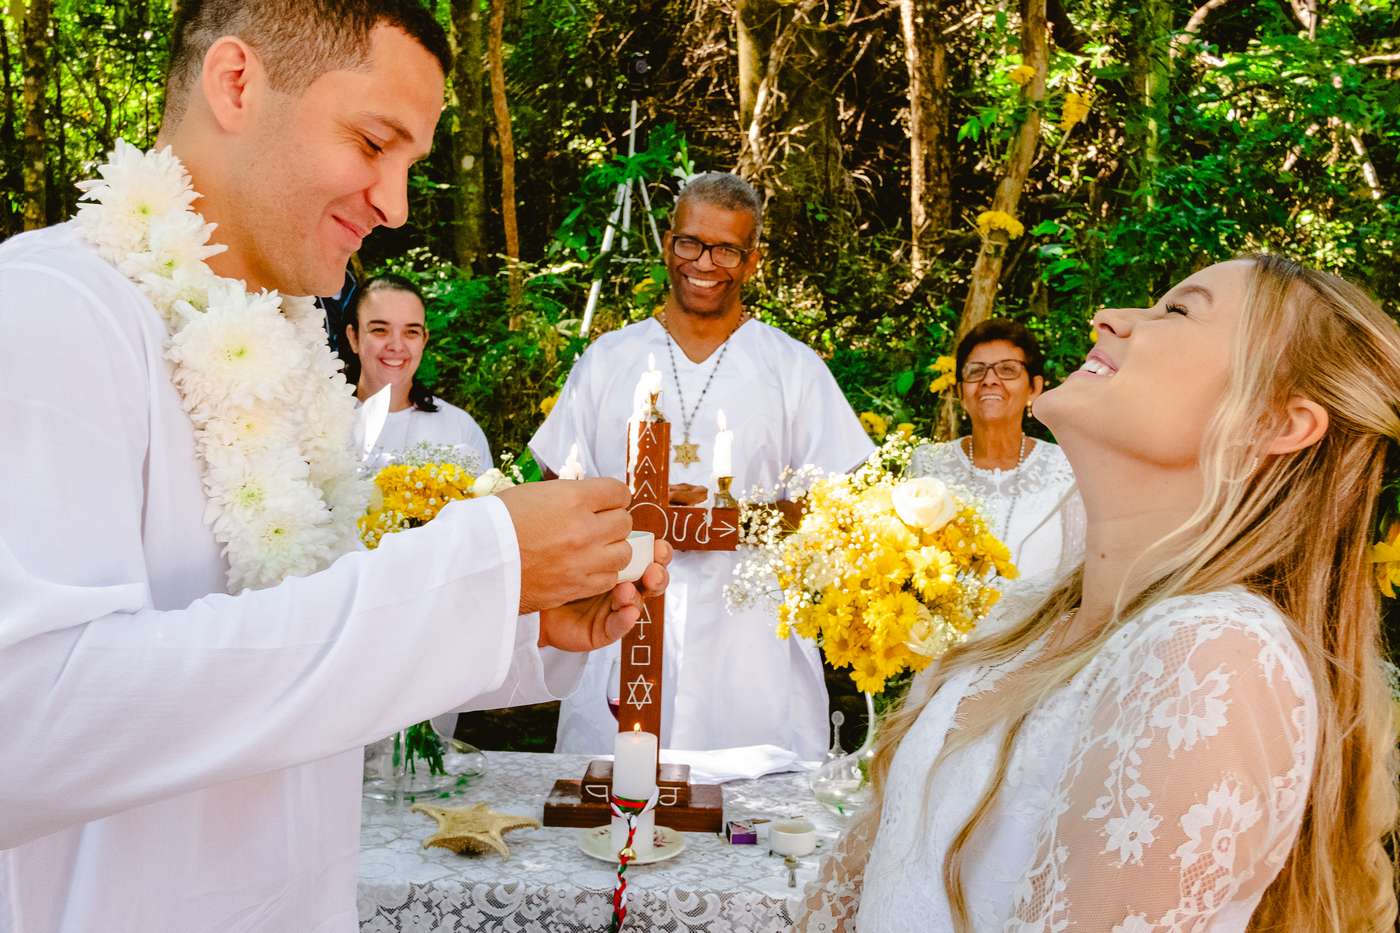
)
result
[(724, 499)]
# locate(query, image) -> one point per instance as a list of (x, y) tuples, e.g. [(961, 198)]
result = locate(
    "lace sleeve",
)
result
[(829, 904), (1187, 787)]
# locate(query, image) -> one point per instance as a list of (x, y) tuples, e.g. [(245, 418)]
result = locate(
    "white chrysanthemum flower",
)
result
[(176, 243), (239, 352)]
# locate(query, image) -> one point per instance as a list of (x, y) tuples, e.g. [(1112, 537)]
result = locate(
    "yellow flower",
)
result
[(1093, 333), (904, 429), (945, 364), (1386, 556), (987, 221), (943, 382), (547, 405), (1076, 108), (875, 425), (1021, 75)]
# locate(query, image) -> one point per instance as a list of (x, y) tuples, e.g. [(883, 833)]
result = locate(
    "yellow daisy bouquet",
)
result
[(886, 573), (412, 490), (409, 492)]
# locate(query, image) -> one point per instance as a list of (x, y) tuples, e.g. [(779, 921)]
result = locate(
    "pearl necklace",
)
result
[(1021, 452)]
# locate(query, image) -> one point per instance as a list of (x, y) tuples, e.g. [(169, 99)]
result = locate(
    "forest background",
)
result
[(926, 165)]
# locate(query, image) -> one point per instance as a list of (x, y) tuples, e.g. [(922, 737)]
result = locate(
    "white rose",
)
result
[(490, 483), (924, 503)]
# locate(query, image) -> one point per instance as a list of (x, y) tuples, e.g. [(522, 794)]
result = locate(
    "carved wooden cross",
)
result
[(687, 528)]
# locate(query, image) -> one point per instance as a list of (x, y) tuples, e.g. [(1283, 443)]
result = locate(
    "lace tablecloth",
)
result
[(550, 886)]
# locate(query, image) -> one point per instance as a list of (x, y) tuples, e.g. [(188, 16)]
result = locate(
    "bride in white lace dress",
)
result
[(1024, 486), (1192, 732)]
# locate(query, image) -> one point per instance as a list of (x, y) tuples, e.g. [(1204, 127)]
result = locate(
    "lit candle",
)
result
[(634, 777), (571, 469), (724, 448), (648, 387)]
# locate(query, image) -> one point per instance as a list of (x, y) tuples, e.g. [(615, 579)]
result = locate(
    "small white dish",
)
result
[(597, 842), (792, 837), (643, 552)]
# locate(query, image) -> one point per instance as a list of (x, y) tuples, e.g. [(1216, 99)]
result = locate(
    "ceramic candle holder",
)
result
[(793, 837), (643, 551)]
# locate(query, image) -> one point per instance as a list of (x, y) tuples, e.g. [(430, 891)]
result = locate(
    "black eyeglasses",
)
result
[(722, 255), (1005, 369)]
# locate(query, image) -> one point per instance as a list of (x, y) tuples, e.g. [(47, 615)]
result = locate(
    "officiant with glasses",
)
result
[(387, 332), (1025, 485), (728, 680)]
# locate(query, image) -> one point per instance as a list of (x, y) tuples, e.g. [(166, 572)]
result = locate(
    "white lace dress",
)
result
[(1161, 790), (1022, 505)]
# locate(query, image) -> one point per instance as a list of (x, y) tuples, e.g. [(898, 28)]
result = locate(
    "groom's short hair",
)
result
[(296, 40)]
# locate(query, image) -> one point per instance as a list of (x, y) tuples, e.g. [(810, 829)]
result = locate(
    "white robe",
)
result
[(448, 425), (727, 680), (174, 759)]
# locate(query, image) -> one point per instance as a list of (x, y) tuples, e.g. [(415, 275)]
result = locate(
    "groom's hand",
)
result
[(589, 624), (572, 536)]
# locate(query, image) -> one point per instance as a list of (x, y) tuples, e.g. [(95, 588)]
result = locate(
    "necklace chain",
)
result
[(1020, 459), (687, 420)]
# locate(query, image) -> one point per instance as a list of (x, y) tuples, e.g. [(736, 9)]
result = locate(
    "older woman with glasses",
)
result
[(1025, 485)]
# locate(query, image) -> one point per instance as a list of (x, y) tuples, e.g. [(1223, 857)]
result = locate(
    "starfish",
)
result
[(472, 829), (687, 453)]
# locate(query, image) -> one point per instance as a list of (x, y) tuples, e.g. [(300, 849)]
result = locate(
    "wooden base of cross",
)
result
[(682, 806)]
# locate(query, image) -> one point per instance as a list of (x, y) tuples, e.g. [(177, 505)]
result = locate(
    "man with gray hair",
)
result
[(728, 679)]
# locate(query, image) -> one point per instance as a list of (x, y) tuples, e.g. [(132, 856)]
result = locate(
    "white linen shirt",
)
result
[(174, 759)]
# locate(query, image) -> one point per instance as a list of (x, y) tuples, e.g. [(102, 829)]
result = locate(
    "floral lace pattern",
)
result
[(1161, 790), (549, 886), (1024, 504)]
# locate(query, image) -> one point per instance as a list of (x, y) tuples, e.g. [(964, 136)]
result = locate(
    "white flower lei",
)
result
[(271, 410)]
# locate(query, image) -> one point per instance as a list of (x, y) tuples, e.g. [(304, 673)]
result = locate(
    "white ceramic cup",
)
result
[(793, 837), (643, 553)]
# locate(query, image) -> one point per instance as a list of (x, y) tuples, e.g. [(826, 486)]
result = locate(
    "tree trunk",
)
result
[(931, 162), (9, 142), (1150, 56), (469, 136), (495, 53), (755, 22), (792, 150), (986, 273), (34, 43)]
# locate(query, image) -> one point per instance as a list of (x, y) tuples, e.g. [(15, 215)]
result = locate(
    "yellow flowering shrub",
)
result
[(947, 377), (1021, 75), (885, 577), (1385, 555), (875, 425), (987, 221), (547, 404), (1076, 108)]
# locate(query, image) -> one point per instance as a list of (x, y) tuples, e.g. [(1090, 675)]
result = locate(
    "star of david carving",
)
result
[(639, 692), (687, 453)]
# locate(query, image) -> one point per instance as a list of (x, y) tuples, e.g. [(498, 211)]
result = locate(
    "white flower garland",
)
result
[(271, 410)]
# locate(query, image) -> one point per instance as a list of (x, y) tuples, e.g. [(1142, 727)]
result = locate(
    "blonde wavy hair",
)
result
[(1302, 333)]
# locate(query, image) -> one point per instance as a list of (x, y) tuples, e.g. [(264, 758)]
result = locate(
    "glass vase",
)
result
[(417, 763), (842, 785)]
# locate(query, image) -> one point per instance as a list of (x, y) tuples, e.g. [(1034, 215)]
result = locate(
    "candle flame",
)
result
[(723, 422), (636, 727)]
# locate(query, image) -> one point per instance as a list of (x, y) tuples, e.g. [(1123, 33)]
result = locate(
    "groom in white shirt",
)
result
[(176, 755)]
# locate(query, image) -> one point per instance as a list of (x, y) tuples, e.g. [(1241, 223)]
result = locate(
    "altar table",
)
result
[(548, 885)]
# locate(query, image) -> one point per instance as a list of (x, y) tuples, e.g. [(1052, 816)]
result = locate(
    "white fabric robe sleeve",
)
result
[(109, 703), (825, 430)]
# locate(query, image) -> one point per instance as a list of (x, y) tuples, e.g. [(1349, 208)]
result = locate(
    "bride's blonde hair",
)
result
[(1295, 528)]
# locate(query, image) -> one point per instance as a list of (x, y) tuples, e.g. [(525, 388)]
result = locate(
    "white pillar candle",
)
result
[(571, 469), (634, 777), (724, 448)]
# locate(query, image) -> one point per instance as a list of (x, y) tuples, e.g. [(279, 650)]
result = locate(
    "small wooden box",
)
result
[(685, 807)]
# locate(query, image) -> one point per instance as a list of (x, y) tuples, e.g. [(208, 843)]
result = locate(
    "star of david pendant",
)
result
[(686, 453)]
